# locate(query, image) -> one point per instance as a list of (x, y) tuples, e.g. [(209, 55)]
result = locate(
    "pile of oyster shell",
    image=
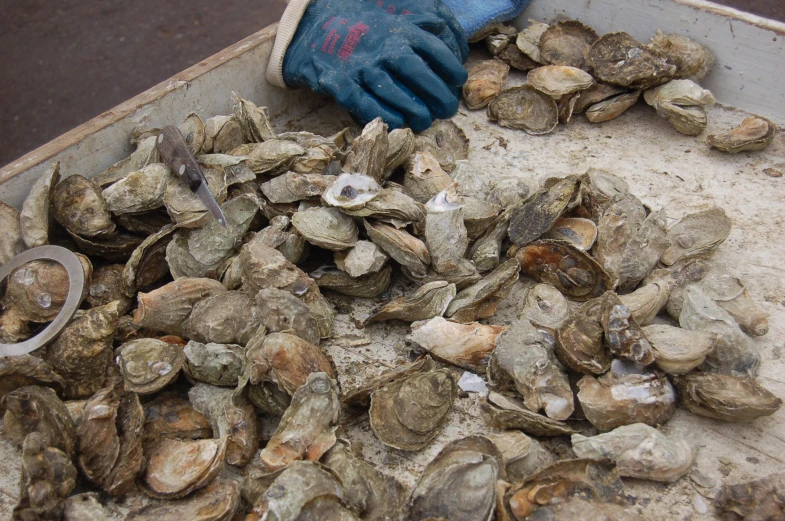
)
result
[(192, 382), (573, 70)]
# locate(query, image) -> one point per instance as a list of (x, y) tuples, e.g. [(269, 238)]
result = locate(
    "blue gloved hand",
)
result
[(374, 64), (422, 13)]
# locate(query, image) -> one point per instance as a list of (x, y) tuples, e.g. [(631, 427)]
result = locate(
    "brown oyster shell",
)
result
[(580, 233), (567, 43), (230, 317), (217, 502), (595, 94), (481, 299), (545, 307), (367, 286), (464, 345), (724, 397), (424, 177), (542, 211), (522, 455), (404, 248), (612, 108), (579, 342), (570, 270), (754, 133), (327, 228), (623, 335), (176, 468), (38, 409), (559, 80), (693, 60), (139, 191), (281, 311), (502, 412), (428, 301), (147, 264), (362, 395), (172, 417), (677, 350), (760, 499), (408, 413), (166, 308), (306, 430), (48, 477), (34, 217), (616, 399), (78, 205), (148, 365), (106, 285), (232, 417), (11, 242), (486, 79), (291, 187), (524, 108), (20, 371), (216, 364), (620, 60), (446, 141), (83, 350)]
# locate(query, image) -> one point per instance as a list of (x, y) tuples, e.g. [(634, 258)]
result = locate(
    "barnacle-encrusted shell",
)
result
[(620, 60), (446, 141), (176, 468), (724, 397), (525, 108), (640, 451), (38, 409), (216, 364), (545, 307), (559, 80), (48, 477), (351, 191), (647, 301), (754, 133), (291, 187), (579, 341), (326, 227), (217, 502), (677, 350), (424, 177), (11, 242), (166, 308), (622, 334), (693, 61), (148, 364), (567, 43), (465, 345), (428, 301), (580, 233), (486, 78), (481, 299), (408, 413), (404, 248), (306, 430), (541, 211), (78, 205), (502, 412), (34, 217), (616, 399), (612, 108)]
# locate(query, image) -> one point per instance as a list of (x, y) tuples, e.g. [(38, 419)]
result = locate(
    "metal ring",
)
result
[(76, 280)]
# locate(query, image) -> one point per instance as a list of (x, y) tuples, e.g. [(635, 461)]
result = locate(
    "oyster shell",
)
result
[(639, 451), (542, 211), (733, 353), (754, 500), (522, 455), (84, 507), (351, 191), (445, 233), (400, 146), (580, 233), (291, 187), (147, 264), (272, 157), (595, 94), (327, 228), (11, 242), (83, 350), (255, 121), (470, 465), (486, 79), (444, 140), (78, 205), (217, 502), (306, 430), (486, 250), (177, 468), (567, 43), (579, 341), (481, 299), (34, 217), (524, 108), (754, 133), (38, 409), (623, 398), (647, 301), (373, 495), (216, 364), (511, 191), (623, 335), (281, 311), (599, 190), (428, 301), (612, 108), (502, 412), (424, 177), (148, 365), (363, 259), (464, 345), (681, 102), (116, 248), (222, 134), (693, 61), (559, 80), (571, 271), (20, 371), (48, 477), (620, 60), (361, 396), (139, 191), (678, 351), (545, 307), (167, 308), (523, 362), (478, 215), (729, 293), (172, 417), (515, 58), (368, 286), (229, 317), (106, 285), (232, 417), (370, 150), (577, 509), (498, 37), (184, 206), (404, 248), (407, 413), (391, 206), (724, 397)]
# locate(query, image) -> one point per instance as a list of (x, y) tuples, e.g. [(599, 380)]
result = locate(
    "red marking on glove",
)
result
[(329, 43), (327, 23), (353, 38), (391, 9)]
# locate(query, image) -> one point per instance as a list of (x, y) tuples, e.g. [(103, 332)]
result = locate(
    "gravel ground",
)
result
[(68, 61)]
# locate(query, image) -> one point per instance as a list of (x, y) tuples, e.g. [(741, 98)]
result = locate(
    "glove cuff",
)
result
[(286, 29)]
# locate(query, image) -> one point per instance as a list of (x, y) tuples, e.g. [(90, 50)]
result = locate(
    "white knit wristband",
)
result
[(286, 29)]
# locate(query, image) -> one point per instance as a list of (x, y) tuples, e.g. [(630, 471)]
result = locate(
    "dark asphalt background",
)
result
[(63, 62)]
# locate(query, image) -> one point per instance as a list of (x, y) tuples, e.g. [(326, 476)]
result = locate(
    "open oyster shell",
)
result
[(34, 217), (464, 345), (470, 465), (446, 141), (148, 365), (522, 455), (486, 79), (166, 308), (216, 364), (428, 301), (404, 248), (567, 43), (38, 409), (623, 398), (724, 397), (502, 412), (758, 499), (306, 430), (176, 468), (481, 299), (677, 350), (559, 80), (545, 307), (620, 60), (362, 395), (579, 341), (525, 108), (623, 335), (351, 191), (408, 413), (48, 478), (693, 60), (754, 133), (219, 501), (539, 213), (639, 451), (580, 233)]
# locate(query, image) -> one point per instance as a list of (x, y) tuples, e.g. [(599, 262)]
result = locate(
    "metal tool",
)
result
[(176, 154), (76, 290)]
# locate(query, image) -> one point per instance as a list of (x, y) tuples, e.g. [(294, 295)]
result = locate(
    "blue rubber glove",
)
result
[(374, 64), (422, 13), (473, 15)]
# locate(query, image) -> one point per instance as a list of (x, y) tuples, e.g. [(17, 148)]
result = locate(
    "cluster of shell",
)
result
[(199, 345), (572, 70)]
